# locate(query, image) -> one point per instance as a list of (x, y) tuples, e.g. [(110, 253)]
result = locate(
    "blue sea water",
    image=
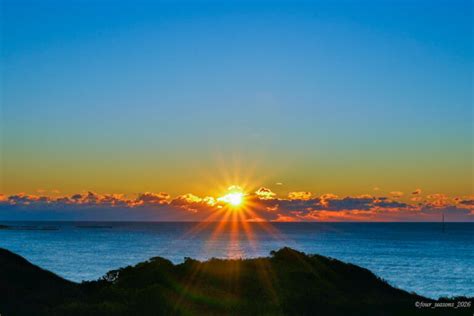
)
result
[(418, 257)]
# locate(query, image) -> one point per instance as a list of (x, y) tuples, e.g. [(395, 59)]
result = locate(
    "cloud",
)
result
[(263, 205), (265, 194), (348, 203), (92, 199), (27, 199), (325, 198), (437, 196), (467, 202), (153, 198), (193, 202), (285, 218), (437, 200), (396, 194), (299, 195)]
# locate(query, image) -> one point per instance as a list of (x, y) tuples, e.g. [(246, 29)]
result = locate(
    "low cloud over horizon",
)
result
[(261, 205)]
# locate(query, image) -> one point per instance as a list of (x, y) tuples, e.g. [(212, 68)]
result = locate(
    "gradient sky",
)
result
[(321, 96)]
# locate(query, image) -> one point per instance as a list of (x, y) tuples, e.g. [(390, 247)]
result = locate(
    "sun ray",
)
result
[(234, 220)]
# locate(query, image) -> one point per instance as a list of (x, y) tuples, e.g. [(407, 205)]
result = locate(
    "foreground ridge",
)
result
[(288, 282)]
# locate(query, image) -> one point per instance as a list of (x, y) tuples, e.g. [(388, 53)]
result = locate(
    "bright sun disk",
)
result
[(234, 198)]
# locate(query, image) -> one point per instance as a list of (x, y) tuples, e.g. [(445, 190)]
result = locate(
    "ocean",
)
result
[(417, 257)]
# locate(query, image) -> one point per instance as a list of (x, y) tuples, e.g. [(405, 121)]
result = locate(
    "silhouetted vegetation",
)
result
[(286, 283)]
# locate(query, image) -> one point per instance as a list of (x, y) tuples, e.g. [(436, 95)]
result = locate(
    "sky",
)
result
[(348, 99)]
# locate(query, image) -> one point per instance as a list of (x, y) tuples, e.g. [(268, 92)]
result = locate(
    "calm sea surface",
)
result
[(417, 257)]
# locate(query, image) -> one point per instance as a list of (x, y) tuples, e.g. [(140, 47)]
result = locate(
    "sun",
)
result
[(235, 197)]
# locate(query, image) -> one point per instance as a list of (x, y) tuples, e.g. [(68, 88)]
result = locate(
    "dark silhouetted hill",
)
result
[(286, 283), (27, 289)]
